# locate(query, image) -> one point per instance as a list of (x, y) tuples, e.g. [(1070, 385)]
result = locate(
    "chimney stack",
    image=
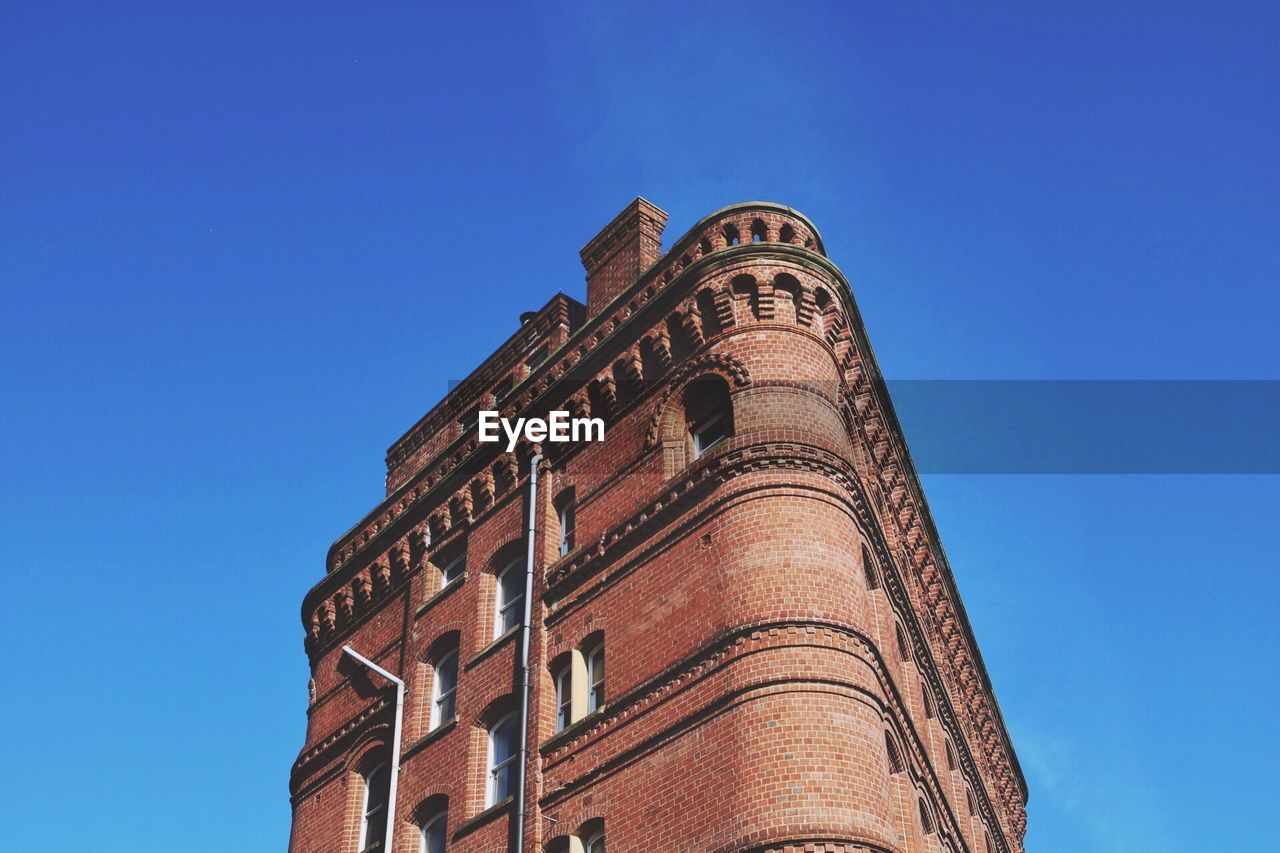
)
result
[(617, 256)]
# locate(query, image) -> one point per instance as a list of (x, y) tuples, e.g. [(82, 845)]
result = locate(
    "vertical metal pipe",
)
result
[(395, 742), (531, 536)]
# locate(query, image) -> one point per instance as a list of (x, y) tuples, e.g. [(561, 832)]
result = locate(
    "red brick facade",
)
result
[(789, 664)]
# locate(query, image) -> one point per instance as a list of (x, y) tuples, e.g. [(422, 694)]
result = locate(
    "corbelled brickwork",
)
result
[(789, 664)]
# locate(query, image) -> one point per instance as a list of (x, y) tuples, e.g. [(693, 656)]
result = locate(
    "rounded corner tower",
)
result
[(743, 635)]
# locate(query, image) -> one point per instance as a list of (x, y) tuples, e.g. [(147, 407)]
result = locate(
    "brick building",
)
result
[(790, 667)]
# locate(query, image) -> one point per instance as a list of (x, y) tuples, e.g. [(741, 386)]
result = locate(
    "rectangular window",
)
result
[(373, 821), (567, 523), (504, 750), (564, 698), (509, 609), (453, 569), (444, 690), (595, 679)]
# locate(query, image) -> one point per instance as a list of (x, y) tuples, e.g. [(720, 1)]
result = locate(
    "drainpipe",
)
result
[(530, 536), (395, 741)]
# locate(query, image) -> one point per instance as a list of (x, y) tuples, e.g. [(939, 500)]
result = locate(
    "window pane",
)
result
[(506, 740), (453, 570), (373, 825), (510, 599), (566, 529), (504, 782), (564, 699), (595, 672), (446, 708), (443, 690), (707, 434), (447, 672), (375, 830), (596, 844), (433, 834)]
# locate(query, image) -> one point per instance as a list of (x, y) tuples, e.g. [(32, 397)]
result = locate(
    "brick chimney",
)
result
[(616, 257)]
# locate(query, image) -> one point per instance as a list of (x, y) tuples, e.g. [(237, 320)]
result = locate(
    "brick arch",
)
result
[(728, 368)]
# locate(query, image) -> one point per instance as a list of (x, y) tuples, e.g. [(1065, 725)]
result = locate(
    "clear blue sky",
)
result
[(246, 245)]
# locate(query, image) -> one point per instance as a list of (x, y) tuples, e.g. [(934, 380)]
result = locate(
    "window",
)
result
[(926, 821), (564, 697), (869, 569), (708, 412), (895, 757), (453, 569), (504, 750), (904, 651), (433, 833), (510, 599), (568, 523), (373, 813), (444, 688), (595, 679), (928, 701), (951, 756), (595, 844), (708, 434)]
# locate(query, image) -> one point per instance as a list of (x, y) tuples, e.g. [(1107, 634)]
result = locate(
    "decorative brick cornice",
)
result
[(715, 657), (699, 250), (339, 741)]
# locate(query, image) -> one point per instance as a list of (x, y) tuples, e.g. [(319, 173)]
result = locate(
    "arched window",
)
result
[(564, 696), (731, 235), (433, 832), (509, 598), (904, 650), (373, 808), (951, 756), (787, 234), (928, 701), (444, 688), (869, 569), (504, 750), (595, 678), (968, 796), (926, 820), (758, 232), (895, 757), (709, 413), (595, 844)]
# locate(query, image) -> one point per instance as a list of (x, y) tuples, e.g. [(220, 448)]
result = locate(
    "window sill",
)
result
[(484, 817), (429, 738), (492, 647), (440, 595)]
